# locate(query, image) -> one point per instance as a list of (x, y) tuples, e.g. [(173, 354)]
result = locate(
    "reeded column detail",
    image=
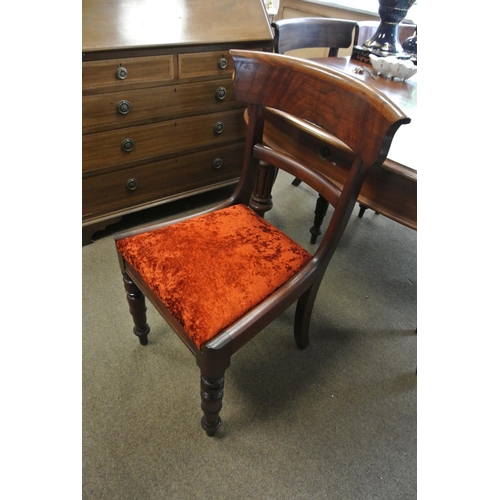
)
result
[(261, 199)]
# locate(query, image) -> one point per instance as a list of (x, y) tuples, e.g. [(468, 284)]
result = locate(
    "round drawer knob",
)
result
[(132, 184), (127, 145), (218, 128), (121, 73), (222, 63), (123, 107), (220, 93), (217, 163)]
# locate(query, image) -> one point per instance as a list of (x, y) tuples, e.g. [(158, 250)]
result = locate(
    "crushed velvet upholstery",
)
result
[(211, 269)]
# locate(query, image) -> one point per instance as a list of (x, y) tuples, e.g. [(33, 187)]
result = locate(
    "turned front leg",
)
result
[(212, 391), (137, 307)]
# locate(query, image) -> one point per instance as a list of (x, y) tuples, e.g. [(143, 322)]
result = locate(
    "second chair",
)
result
[(313, 32)]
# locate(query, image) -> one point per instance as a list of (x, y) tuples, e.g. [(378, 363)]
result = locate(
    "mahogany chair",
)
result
[(313, 32), (219, 277)]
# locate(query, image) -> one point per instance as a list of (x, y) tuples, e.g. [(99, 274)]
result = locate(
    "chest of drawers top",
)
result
[(110, 25)]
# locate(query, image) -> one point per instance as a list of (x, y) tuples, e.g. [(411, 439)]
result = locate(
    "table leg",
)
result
[(261, 199), (319, 215)]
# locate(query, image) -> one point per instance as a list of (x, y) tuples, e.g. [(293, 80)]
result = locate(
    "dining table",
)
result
[(389, 189)]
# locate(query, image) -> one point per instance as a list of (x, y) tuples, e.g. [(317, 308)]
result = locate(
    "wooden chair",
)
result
[(313, 32), (219, 277)]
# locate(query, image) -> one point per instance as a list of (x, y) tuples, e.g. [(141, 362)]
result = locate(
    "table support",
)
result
[(261, 199)]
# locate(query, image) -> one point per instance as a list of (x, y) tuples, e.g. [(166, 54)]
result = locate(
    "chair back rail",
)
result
[(312, 32), (312, 178), (335, 101)]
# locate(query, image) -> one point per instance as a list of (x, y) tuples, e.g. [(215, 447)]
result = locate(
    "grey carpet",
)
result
[(335, 421)]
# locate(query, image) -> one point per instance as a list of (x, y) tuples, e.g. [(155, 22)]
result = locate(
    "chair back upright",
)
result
[(313, 32)]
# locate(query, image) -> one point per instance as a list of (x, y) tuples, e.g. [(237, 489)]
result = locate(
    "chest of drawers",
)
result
[(159, 118)]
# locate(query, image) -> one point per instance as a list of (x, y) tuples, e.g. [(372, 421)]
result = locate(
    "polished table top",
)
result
[(402, 93)]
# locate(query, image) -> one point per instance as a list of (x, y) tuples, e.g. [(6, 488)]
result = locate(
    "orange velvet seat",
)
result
[(212, 269)]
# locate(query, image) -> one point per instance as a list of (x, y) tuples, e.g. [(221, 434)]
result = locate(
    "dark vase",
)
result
[(385, 41), (410, 45)]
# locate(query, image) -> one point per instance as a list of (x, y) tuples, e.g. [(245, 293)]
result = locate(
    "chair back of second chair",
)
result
[(313, 32)]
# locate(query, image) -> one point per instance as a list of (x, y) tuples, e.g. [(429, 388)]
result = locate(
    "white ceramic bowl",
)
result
[(392, 67)]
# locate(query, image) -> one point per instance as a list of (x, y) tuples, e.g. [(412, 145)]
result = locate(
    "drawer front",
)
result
[(159, 180), (204, 64), (125, 108), (135, 144), (127, 72)]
